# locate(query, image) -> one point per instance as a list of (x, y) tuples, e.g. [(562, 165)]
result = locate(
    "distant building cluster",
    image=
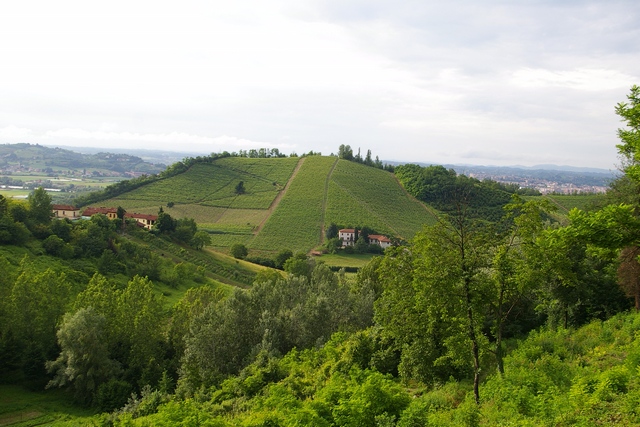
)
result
[(71, 212)]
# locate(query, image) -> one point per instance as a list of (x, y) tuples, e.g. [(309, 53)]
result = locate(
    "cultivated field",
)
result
[(325, 190), (297, 222), (361, 195)]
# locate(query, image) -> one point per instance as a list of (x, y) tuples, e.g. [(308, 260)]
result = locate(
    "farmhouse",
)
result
[(347, 236), (380, 240), (111, 213), (144, 220), (65, 211)]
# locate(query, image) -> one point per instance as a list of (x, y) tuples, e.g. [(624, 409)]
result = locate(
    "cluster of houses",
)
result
[(71, 212), (348, 238)]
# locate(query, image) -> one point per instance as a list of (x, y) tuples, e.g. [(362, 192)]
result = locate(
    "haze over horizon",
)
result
[(491, 83)]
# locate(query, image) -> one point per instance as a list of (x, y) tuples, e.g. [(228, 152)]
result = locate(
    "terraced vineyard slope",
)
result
[(287, 203), (206, 193), (297, 222), (361, 195)]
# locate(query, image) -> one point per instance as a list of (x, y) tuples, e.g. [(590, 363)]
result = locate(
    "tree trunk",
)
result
[(499, 317), (474, 341)]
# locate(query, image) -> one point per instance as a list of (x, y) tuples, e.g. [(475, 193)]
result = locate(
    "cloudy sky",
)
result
[(466, 82)]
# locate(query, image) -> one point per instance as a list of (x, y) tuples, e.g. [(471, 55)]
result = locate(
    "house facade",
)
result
[(143, 220), (111, 213), (347, 236), (380, 240), (65, 211)]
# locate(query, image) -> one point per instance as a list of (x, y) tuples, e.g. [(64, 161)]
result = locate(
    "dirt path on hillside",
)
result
[(324, 199), (276, 201)]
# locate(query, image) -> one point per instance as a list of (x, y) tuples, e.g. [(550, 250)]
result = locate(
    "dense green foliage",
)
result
[(448, 192)]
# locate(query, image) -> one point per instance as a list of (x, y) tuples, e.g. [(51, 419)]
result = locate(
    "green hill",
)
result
[(288, 202)]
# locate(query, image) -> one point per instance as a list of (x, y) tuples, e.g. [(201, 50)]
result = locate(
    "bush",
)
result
[(239, 251), (112, 395)]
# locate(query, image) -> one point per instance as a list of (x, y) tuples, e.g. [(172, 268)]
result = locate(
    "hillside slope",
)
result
[(287, 204)]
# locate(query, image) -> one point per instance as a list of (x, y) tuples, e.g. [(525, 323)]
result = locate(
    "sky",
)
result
[(478, 82)]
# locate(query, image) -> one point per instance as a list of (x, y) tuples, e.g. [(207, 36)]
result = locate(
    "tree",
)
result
[(299, 265), (361, 245), (282, 257), (345, 152), (239, 251), (83, 363), (200, 240), (629, 148), (332, 231), (512, 265), (240, 188), (165, 223), (120, 213), (40, 206), (443, 291), (37, 302)]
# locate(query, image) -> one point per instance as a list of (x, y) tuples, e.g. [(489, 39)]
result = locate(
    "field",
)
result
[(20, 407), (213, 185), (566, 202), (266, 218), (342, 260), (361, 195), (15, 194), (297, 223), (206, 193)]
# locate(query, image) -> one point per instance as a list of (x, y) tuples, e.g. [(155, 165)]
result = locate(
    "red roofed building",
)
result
[(111, 213), (348, 236), (144, 220), (380, 240), (65, 211)]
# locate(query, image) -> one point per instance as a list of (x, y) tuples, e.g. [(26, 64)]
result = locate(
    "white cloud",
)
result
[(14, 133), (580, 79), (174, 140), (430, 79)]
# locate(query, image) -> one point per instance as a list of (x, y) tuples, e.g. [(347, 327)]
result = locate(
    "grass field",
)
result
[(342, 260), (21, 408), (15, 194)]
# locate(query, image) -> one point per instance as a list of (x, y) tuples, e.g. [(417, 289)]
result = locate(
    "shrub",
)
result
[(239, 251)]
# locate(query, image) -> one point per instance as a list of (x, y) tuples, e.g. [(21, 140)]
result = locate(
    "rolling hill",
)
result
[(287, 204)]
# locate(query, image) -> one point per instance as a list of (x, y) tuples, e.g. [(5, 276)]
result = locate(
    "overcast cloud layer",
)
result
[(472, 82)]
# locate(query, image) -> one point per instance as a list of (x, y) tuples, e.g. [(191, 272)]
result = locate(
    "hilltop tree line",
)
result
[(346, 152)]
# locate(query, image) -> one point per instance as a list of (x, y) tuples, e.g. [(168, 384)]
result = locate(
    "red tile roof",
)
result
[(64, 208), (92, 211), (141, 216)]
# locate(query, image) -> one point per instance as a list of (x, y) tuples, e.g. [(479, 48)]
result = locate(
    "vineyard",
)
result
[(324, 190), (297, 223), (360, 195)]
